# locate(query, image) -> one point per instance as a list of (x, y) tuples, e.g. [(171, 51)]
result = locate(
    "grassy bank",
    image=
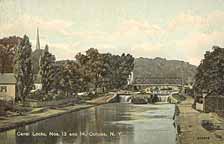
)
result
[(11, 122), (42, 113)]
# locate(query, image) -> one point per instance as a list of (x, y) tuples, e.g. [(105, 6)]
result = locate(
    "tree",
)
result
[(104, 69), (119, 68), (7, 53), (92, 66), (81, 61), (76, 80), (125, 69), (69, 78), (23, 69), (109, 69), (47, 71), (210, 73), (36, 59)]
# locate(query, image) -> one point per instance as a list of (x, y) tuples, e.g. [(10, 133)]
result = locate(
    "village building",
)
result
[(7, 87)]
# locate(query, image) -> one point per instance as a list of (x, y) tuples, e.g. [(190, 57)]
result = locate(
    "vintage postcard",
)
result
[(111, 72)]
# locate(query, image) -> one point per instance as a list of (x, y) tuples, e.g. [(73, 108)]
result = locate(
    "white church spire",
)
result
[(38, 40)]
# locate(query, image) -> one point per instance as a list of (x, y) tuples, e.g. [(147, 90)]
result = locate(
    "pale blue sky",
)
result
[(174, 29)]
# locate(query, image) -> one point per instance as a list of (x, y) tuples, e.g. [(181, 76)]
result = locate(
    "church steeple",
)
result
[(38, 40)]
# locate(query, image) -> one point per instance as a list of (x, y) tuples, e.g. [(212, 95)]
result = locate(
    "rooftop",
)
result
[(7, 78)]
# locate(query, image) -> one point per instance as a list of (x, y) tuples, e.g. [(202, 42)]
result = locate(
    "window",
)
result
[(3, 88)]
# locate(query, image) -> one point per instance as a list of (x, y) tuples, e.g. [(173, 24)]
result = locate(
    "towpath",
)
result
[(191, 131)]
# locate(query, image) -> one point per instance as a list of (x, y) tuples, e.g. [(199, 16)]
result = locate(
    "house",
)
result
[(7, 87)]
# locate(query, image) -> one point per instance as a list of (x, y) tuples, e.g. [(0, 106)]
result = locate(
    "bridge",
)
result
[(140, 83)]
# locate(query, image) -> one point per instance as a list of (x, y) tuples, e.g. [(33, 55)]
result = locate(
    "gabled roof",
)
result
[(7, 78)]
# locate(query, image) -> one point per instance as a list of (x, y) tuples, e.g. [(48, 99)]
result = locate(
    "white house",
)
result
[(7, 87)]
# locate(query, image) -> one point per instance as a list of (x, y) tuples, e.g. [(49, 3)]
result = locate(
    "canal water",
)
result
[(118, 123)]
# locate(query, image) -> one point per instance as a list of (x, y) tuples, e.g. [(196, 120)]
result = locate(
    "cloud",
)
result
[(86, 35), (65, 50), (133, 26), (131, 36), (201, 32), (127, 30), (196, 44), (139, 37), (187, 20), (27, 24), (61, 50)]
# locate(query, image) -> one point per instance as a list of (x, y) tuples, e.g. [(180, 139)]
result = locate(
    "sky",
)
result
[(172, 29)]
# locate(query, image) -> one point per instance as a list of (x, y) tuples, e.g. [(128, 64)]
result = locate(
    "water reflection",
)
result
[(136, 124)]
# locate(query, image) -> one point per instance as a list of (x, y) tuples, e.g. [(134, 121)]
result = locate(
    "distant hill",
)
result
[(146, 68)]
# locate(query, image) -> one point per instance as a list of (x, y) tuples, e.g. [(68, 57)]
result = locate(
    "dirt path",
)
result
[(191, 131)]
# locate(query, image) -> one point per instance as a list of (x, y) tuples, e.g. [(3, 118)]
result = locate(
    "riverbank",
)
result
[(10, 122), (42, 113), (189, 129)]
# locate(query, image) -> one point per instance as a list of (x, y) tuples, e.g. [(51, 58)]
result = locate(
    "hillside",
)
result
[(159, 67)]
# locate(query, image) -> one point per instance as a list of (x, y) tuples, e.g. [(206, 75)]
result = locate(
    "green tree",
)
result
[(23, 69), (65, 79), (108, 73), (104, 69), (47, 71), (92, 66), (125, 68), (81, 61), (76, 81), (7, 53), (210, 73), (120, 69), (70, 81)]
